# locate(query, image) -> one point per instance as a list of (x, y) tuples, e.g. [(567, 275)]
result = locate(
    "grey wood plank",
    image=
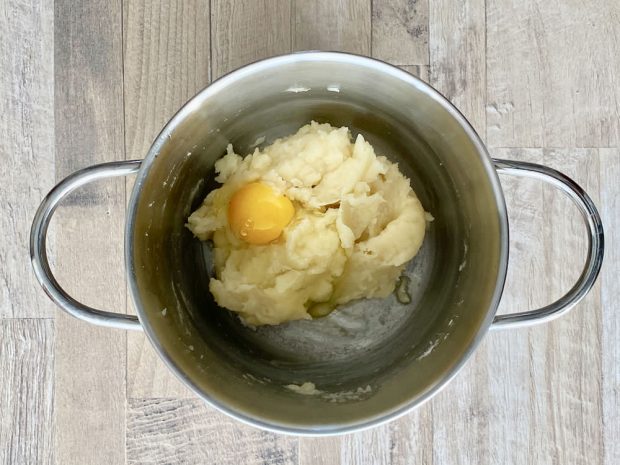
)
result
[(26, 147), (553, 73), (457, 55), (412, 437), (400, 32), (26, 391), (406, 440), (552, 391), (342, 25), (90, 362), (403, 441), (571, 385), (461, 419), (546, 381), (367, 447), (421, 71), (610, 296), (147, 375), (462, 415), (187, 431), (244, 31), (166, 62), (512, 367), (320, 451)]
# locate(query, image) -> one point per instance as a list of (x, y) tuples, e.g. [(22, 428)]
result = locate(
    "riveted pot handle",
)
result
[(38, 241), (594, 259)]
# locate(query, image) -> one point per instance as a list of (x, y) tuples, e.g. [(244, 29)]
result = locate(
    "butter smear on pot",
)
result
[(308, 223)]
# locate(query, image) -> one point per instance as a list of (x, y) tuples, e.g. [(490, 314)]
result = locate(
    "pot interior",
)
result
[(370, 358)]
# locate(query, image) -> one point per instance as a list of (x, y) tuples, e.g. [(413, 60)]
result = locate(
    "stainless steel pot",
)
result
[(372, 360)]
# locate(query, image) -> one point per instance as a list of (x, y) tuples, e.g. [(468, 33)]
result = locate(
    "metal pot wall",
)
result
[(372, 360)]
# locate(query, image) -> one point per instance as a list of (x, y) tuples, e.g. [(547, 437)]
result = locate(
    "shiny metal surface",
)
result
[(596, 245), (38, 245), (371, 360)]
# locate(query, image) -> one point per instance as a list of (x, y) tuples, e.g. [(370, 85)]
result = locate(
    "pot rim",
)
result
[(312, 56)]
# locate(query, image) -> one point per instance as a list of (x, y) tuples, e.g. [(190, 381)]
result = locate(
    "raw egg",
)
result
[(257, 214)]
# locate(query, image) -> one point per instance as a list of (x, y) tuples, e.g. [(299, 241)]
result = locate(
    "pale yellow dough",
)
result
[(357, 223)]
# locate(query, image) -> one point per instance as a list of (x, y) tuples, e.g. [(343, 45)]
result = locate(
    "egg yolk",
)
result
[(257, 214)]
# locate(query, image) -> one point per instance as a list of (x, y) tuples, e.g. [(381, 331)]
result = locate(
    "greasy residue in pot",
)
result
[(402, 290), (308, 388)]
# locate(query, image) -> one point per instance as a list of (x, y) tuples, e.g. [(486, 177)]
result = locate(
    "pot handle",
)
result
[(38, 241), (594, 259)]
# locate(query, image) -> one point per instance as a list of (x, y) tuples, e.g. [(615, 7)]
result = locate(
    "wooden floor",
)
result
[(88, 81)]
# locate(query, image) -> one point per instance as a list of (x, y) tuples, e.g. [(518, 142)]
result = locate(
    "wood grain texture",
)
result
[(457, 56), (462, 414), (26, 147), (553, 73), (342, 25), (412, 437), (400, 31), (406, 440), (609, 169), (244, 31), (546, 381), (187, 432), (320, 451), (26, 391), (367, 447), (573, 354), (512, 365), (147, 375), (542, 75), (166, 62), (421, 71), (90, 362)]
